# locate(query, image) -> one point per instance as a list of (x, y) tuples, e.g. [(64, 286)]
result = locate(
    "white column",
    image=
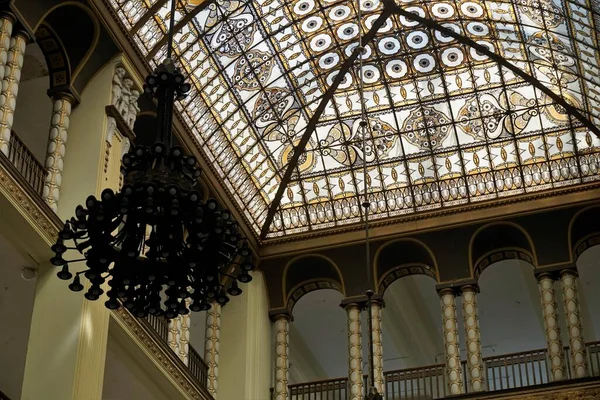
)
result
[(184, 336), (451, 343), (579, 365), (377, 337), (57, 140), (553, 340), (473, 339), (11, 70), (173, 335), (7, 21), (355, 372), (211, 347), (282, 356)]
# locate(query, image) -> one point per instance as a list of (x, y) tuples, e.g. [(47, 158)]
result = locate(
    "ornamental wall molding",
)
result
[(29, 203), (161, 355)]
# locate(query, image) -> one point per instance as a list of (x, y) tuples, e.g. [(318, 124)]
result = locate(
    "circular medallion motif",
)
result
[(426, 128), (253, 70)]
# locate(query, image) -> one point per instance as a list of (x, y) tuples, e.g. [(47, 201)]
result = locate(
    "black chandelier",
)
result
[(159, 247)]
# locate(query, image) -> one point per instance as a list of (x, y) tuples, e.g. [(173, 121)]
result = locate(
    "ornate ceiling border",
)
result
[(546, 200)]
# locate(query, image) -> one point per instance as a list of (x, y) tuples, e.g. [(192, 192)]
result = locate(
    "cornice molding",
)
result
[(29, 203)]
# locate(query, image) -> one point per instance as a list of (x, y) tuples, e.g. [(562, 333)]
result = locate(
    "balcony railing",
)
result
[(416, 383), (196, 364), (332, 389), (509, 371), (27, 165)]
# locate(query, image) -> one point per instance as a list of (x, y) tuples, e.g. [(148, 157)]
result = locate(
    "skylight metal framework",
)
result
[(448, 125)]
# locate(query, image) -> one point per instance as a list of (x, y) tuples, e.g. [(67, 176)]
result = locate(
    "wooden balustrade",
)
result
[(516, 370), (27, 165), (416, 383), (197, 366), (333, 389), (508, 371), (160, 325)]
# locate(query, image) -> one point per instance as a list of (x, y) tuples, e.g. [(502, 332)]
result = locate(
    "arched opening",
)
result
[(62, 44), (503, 258), (313, 290), (318, 340), (406, 273), (584, 237), (34, 107)]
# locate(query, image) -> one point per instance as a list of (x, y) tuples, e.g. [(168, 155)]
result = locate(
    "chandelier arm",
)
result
[(434, 25), (312, 123)]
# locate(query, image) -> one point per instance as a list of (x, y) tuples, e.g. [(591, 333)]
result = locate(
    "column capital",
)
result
[(454, 291), (280, 313), (22, 33), (570, 270), (64, 92), (472, 287), (456, 287), (5, 14), (554, 271)]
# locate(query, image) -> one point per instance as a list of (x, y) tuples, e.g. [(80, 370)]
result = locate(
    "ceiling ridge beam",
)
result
[(312, 123)]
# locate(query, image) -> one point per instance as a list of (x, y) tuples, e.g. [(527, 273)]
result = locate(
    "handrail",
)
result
[(507, 371), (336, 389), (26, 163), (197, 366)]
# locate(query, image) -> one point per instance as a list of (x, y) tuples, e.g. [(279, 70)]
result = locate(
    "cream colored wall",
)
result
[(245, 347), (67, 345)]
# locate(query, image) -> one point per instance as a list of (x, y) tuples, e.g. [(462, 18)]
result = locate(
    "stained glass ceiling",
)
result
[(447, 125)]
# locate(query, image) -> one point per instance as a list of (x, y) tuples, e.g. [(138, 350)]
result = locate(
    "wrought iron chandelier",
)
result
[(159, 247)]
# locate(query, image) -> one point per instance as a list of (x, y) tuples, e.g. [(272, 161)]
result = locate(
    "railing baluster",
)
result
[(24, 161)]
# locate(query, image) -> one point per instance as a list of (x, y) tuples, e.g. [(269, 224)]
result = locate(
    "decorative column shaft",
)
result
[(553, 340), (473, 339), (211, 347), (282, 356), (377, 337), (184, 335), (579, 365), (451, 343), (55, 153), (7, 22), (10, 84), (173, 336), (355, 374)]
